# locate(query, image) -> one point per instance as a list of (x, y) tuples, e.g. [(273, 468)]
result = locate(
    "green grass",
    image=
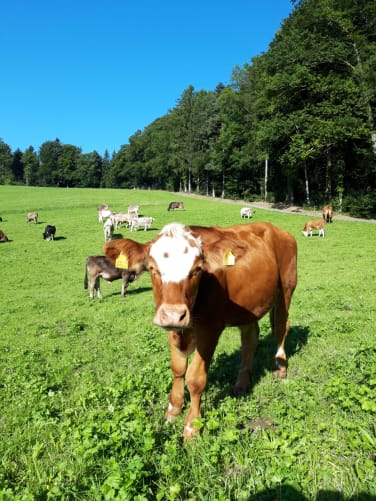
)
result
[(84, 384)]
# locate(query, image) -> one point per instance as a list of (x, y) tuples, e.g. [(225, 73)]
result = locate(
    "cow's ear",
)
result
[(223, 254), (111, 251)]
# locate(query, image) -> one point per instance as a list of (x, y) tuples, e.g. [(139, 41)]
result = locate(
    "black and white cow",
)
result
[(49, 232)]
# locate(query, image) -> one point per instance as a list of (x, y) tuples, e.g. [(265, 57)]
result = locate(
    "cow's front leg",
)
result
[(125, 282), (181, 346), (249, 338), (196, 379)]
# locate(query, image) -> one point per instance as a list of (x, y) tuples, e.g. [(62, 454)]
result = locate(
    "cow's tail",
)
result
[(86, 282)]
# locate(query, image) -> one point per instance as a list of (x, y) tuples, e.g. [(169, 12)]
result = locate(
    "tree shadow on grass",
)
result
[(224, 368), (290, 493)]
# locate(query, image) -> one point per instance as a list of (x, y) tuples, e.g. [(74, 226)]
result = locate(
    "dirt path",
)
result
[(314, 213), (291, 209)]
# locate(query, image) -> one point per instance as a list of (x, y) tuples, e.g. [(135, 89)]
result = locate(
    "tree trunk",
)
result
[(266, 181), (306, 183), (328, 184), (366, 98)]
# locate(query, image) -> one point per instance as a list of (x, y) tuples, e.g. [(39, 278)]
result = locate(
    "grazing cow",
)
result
[(146, 222), (207, 278), (327, 213), (175, 205), (118, 218), (133, 210), (102, 266), (108, 230), (317, 224), (32, 216), (49, 232), (3, 237), (246, 212), (1, 218)]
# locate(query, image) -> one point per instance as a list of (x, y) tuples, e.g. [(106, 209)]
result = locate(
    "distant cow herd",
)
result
[(133, 220)]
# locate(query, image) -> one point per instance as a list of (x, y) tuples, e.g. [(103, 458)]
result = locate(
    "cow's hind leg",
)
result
[(280, 327), (97, 287), (249, 338)]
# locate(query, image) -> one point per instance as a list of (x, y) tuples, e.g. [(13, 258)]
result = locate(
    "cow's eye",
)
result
[(153, 270)]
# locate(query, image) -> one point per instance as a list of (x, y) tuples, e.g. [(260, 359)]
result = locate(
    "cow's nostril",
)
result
[(183, 315), (172, 317)]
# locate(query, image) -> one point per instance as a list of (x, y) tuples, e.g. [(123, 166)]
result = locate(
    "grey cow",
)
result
[(102, 267)]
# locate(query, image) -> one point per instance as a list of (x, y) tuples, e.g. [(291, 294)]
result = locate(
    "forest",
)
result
[(295, 125)]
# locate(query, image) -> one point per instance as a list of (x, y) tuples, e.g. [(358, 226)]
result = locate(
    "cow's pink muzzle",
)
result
[(172, 316)]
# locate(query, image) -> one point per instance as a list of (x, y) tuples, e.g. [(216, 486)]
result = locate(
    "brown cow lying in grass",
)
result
[(3, 237), (317, 224), (175, 205), (103, 267)]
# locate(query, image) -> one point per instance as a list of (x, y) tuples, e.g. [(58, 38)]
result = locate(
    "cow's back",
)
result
[(264, 260)]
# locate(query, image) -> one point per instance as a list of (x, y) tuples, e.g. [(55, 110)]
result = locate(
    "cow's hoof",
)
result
[(190, 432), (280, 373), (172, 413), (238, 391)]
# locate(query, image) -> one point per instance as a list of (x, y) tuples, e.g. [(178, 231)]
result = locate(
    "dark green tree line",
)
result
[(296, 124)]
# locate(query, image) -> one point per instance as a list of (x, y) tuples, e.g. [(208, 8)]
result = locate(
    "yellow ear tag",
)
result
[(121, 261), (229, 258)]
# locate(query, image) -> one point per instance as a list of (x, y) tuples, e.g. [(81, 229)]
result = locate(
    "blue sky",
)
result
[(92, 73)]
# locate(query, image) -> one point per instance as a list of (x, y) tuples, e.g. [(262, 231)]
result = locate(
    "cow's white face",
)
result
[(175, 252), (175, 267)]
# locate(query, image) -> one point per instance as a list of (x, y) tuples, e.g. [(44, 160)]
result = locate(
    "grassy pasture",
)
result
[(84, 383)]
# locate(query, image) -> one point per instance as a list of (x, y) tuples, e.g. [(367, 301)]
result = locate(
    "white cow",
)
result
[(133, 210), (246, 212), (108, 230), (146, 222), (103, 214), (121, 217)]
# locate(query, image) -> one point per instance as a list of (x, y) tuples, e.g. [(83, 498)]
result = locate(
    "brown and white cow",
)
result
[(316, 224), (207, 278), (32, 216), (327, 213)]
